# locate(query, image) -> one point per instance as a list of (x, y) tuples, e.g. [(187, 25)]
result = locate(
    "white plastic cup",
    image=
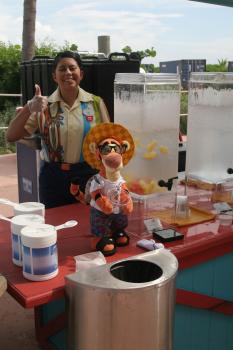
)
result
[(29, 208), (114, 195), (181, 208), (157, 224), (17, 223), (225, 220), (39, 249)]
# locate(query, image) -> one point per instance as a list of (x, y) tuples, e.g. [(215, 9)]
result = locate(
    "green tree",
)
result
[(222, 66), (142, 53), (10, 57), (183, 110), (150, 68)]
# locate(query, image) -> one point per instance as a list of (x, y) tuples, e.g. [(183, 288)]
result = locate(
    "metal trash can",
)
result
[(125, 305)]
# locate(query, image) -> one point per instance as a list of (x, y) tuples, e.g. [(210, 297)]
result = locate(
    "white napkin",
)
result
[(89, 260), (153, 224), (149, 244)]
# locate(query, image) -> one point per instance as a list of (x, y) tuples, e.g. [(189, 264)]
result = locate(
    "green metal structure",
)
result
[(217, 2)]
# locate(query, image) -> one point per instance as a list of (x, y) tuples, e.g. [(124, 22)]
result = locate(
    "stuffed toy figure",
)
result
[(107, 147)]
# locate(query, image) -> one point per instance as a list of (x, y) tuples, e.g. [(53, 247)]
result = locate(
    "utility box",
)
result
[(184, 68), (230, 66), (28, 167), (125, 305)]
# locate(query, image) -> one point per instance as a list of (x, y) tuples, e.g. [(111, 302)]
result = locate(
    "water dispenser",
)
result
[(210, 127), (149, 106)]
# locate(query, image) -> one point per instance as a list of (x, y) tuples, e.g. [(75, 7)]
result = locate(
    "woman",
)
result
[(63, 119)]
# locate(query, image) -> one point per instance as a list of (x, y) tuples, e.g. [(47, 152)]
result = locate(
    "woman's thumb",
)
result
[(37, 90)]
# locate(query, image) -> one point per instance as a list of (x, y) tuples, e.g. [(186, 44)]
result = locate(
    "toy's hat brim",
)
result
[(101, 132)]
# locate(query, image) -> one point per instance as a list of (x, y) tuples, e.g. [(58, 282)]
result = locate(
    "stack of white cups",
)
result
[(39, 248), (34, 243), (38, 242), (18, 222)]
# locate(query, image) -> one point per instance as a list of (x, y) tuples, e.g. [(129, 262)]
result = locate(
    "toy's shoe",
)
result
[(105, 245), (121, 238)]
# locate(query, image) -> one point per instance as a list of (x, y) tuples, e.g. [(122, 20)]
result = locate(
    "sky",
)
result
[(176, 29)]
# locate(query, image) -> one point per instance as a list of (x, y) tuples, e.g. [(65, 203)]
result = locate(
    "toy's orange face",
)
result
[(110, 152)]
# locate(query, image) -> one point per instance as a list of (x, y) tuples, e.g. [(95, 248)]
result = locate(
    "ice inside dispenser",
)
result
[(210, 128), (149, 106)]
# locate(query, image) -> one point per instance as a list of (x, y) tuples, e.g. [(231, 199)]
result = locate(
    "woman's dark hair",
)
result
[(67, 54)]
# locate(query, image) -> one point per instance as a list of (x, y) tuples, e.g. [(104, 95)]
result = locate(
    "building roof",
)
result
[(217, 2)]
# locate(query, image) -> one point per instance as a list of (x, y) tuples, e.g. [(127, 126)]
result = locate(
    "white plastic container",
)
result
[(225, 220), (17, 223), (29, 208), (210, 127), (149, 106), (39, 248)]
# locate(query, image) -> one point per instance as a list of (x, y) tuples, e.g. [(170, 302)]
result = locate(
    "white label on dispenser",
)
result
[(27, 185), (40, 261)]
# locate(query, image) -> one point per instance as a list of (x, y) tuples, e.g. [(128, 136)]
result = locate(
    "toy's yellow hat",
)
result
[(101, 132)]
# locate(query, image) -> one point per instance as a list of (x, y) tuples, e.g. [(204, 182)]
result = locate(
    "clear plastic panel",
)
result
[(210, 127), (149, 106)]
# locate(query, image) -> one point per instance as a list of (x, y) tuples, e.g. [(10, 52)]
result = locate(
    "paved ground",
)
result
[(16, 323)]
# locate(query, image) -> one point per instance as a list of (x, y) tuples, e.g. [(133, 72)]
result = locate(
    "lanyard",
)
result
[(86, 124)]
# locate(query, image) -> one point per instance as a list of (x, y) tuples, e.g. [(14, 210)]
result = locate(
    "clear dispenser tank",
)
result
[(149, 106), (210, 128)]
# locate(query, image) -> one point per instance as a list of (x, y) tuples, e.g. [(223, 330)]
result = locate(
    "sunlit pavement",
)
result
[(16, 323)]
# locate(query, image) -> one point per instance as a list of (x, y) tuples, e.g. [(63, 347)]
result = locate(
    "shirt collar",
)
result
[(83, 96)]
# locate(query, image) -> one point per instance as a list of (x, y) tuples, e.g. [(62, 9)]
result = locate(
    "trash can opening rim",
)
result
[(136, 271)]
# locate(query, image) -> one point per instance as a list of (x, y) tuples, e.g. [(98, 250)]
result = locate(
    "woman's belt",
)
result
[(65, 166)]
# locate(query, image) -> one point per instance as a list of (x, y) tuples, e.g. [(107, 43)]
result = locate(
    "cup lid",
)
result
[(26, 219)]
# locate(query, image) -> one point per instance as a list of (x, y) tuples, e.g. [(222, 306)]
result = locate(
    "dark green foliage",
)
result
[(9, 68), (142, 53), (5, 117), (183, 110), (150, 68), (222, 66)]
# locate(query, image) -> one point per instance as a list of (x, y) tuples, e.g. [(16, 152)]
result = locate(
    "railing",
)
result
[(9, 95), (4, 146)]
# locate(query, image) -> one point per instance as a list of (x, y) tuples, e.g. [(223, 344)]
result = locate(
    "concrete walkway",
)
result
[(16, 323)]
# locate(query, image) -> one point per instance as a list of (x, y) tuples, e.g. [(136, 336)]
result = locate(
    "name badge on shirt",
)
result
[(89, 118)]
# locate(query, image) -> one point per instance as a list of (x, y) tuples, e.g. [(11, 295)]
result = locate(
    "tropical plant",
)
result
[(142, 53), (222, 66)]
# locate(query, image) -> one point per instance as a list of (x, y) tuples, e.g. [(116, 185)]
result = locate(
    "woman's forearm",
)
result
[(16, 129)]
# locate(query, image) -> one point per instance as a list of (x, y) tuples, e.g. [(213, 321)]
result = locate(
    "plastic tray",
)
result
[(198, 184), (222, 197), (196, 216)]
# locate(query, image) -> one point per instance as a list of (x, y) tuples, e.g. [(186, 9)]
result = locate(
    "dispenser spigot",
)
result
[(230, 171), (167, 184)]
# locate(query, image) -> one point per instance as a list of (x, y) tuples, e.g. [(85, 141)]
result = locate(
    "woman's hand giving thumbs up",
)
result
[(38, 103)]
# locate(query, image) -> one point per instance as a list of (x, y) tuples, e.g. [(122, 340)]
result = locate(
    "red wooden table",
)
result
[(202, 242)]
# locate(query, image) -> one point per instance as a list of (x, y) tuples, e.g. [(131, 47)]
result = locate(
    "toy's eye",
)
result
[(108, 148), (124, 148)]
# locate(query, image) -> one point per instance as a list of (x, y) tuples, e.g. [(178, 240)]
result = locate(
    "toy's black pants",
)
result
[(54, 182)]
